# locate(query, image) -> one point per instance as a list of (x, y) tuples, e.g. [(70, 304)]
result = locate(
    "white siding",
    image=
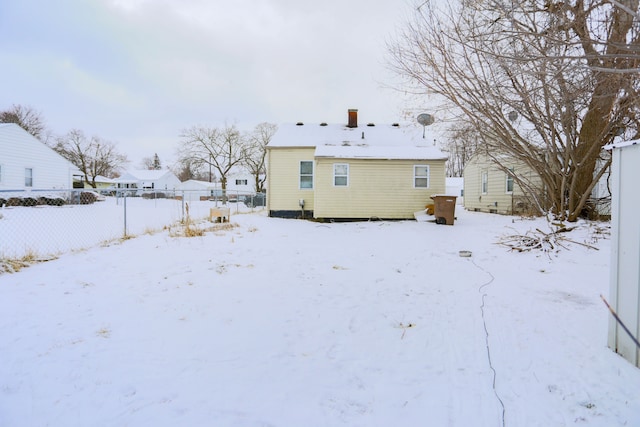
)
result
[(20, 150), (625, 251)]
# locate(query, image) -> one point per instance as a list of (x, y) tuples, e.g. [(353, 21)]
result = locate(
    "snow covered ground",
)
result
[(293, 323)]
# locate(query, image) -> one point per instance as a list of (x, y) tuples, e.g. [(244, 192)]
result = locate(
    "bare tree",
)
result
[(93, 156), (460, 146), (524, 76), (221, 150), (26, 117), (151, 163), (256, 151)]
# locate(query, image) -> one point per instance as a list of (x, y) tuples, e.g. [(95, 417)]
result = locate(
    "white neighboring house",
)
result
[(195, 190), (143, 180), (26, 163), (455, 187), (241, 183)]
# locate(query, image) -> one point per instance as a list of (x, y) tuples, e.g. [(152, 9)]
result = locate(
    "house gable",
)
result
[(22, 154)]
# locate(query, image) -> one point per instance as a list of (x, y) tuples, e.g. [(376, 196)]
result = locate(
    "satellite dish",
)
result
[(425, 120)]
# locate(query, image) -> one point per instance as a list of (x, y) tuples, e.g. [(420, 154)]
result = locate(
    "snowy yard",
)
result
[(293, 323)]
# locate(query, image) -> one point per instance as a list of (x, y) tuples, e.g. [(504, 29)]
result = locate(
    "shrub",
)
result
[(154, 196), (87, 198), (2, 202), (29, 201), (14, 201), (51, 201)]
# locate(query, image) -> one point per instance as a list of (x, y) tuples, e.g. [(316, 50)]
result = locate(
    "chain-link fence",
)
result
[(46, 223)]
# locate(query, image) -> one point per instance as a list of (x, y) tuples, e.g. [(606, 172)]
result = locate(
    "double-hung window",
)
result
[(509, 181), (421, 176), (28, 177), (484, 181), (341, 174), (306, 174)]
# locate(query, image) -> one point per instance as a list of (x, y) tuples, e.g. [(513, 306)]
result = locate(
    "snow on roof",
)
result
[(101, 178), (621, 144), (147, 175), (374, 142)]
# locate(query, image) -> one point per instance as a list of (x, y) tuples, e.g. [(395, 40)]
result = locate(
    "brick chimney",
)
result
[(353, 118)]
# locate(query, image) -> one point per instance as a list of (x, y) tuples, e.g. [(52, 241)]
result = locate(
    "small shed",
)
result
[(624, 295)]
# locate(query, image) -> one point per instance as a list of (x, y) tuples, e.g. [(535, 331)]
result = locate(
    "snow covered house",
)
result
[(142, 180), (26, 163), (328, 171), (625, 250)]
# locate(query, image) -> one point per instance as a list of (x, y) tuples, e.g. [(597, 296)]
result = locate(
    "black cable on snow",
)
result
[(486, 337)]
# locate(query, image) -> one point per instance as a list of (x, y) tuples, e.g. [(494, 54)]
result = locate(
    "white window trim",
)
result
[(25, 177), (508, 178), (336, 176), (300, 175), (415, 176), (484, 182)]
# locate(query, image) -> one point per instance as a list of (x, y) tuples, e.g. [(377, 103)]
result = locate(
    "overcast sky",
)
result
[(137, 72)]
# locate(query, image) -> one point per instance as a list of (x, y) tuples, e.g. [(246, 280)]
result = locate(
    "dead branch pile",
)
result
[(539, 240)]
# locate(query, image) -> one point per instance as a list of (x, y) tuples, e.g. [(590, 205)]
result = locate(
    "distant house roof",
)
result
[(621, 144), (196, 184), (364, 142), (101, 178), (148, 175)]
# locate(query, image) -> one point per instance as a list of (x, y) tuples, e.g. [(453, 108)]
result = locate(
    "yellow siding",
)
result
[(496, 198), (283, 180), (377, 188)]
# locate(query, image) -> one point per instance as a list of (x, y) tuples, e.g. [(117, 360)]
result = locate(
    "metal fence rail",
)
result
[(46, 223)]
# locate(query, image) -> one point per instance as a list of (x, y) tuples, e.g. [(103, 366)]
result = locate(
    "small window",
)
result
[(340, 174), (28, 177), (485, 182), (306, 174), (421, 176), (241, 182), (509, 181)]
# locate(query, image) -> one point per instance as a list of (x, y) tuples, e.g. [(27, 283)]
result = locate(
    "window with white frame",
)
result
[(340, 174), (241, 182), (28, 177), (509, 181), (306, 174), (421, 176), (484, 179)]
